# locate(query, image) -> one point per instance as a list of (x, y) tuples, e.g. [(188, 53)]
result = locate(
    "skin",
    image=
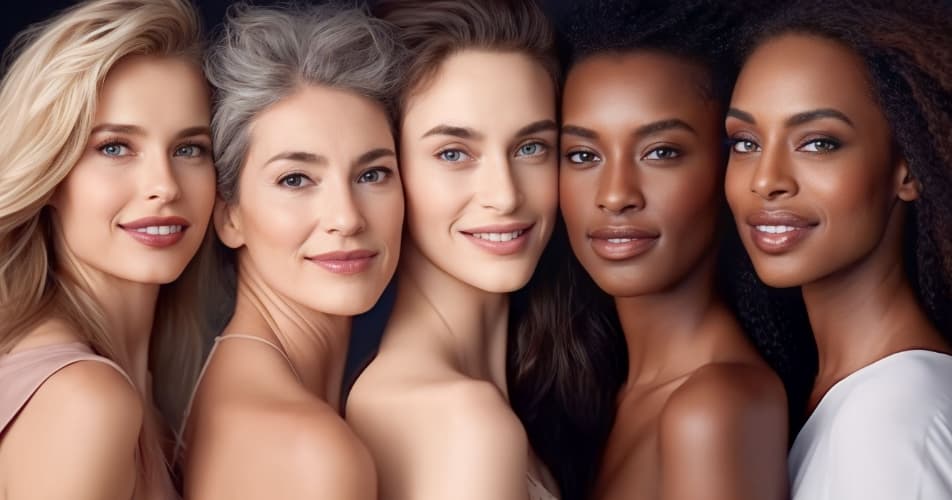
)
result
[(811, 141), (320, 176), (478, 148), (700, 415), (84, 421)]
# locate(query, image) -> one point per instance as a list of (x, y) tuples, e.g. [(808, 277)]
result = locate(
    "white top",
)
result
[(882, 433)]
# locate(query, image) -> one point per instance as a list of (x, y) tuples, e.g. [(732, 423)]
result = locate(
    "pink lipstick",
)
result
[(344, 262), (777, 232), (621, 243), (500, 239), (156, 232)]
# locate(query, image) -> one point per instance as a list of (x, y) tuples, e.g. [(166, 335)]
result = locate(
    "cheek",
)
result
[(540, 185), (383, 212), (91, 198), (199, 190), (736, 186), (577, 191), (274, 229)]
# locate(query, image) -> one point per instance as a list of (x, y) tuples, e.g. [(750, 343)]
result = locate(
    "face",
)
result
[(813, 179), (480, 168), (137, 203), (641, 167), (319, 210)]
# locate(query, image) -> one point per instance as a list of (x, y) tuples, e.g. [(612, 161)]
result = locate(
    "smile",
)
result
[(505, 239)]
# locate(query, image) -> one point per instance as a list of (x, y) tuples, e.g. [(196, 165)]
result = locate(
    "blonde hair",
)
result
[(48, 99)]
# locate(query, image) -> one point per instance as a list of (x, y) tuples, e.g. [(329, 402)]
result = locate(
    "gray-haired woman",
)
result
[(310, 209)]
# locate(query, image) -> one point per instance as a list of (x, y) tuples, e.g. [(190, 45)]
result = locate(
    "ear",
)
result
[(908, 187), (228, 224)]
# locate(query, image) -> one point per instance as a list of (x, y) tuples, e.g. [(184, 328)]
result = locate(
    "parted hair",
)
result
[(263, 54), (434, 30)]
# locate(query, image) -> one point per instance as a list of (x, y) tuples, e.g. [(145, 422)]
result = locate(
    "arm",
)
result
[(82, 425), (723, 436)]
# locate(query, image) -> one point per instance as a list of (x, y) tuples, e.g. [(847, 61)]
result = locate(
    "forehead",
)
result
[(484, 90), (640, 81), (148, 90), (797, 68)]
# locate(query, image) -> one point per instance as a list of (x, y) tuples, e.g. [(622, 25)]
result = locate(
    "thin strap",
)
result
[(180, 435)]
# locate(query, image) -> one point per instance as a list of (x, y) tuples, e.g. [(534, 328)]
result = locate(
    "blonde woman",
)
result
[(106, 190), (311, 209)]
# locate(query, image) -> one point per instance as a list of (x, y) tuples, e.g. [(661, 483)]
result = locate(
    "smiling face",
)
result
[(813, 180), (640, 170), (319, 210), (480, 168), (137, 203)]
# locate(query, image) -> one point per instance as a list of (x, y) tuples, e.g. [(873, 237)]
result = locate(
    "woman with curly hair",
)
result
[(840, 181), (699, 413)]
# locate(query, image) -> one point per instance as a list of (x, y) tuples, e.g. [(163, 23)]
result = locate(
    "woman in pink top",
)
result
[(106, 189)]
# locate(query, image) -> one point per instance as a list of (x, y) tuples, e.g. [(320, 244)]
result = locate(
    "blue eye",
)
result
[(662, 153), (374, 176), (744, 146), (190, 150), (452, 155), (822, 145), (114, 149), (531, 149), (580, 157), (293, 181)]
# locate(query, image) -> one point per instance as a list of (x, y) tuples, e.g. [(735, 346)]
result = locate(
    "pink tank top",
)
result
[(23, 372)]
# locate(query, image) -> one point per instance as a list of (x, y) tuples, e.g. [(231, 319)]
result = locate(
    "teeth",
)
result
[(776, 229), (499, 236), (159, 230), (620, 240)]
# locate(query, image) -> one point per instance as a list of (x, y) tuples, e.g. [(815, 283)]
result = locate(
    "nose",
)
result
[(342, 214), (160, 181), (497, 187), (618, 188), (772, 178)]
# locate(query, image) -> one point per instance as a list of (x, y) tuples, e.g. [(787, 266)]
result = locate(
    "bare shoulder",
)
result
[(290, 447), (721, 396), (723, 434), (83, 423), (429, 438)]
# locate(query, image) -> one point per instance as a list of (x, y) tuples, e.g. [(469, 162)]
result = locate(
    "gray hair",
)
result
[(264, 53)]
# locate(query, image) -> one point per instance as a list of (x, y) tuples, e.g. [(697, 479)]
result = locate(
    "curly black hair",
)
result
[(568, 357), (907, 50)]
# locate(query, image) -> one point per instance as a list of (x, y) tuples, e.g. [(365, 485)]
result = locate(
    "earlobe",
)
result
[(228, 224), (908, 187)]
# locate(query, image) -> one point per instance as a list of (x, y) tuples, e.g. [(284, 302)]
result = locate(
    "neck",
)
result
[(866, 312), (470, 323), (129, 311), (315, 342), (662, 330)]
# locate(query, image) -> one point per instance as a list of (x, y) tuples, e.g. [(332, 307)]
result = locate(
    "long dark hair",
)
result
[(907, 50), (567, 355)]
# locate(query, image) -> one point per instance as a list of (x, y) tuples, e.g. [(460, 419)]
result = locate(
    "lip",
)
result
[(156, 240), (509, 247), (344, 261), (639, 241), (793, 228)]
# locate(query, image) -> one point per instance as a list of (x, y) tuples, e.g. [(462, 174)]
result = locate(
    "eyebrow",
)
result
[(797, 119), (374, 155), (461, 132), (536, 127), (816, 114), (648, 129), (662, 125), (137, 130), (298, 156)]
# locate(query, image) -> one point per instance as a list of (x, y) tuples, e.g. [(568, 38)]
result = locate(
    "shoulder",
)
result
[(723, 398), (84, 423), (295, 448), (428, 438)]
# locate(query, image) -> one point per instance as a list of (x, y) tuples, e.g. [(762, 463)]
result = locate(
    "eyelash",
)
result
[(202, 150), (675, 153), (112, 141), (834, 144), (571, 154), (293, 175), (383, 171)]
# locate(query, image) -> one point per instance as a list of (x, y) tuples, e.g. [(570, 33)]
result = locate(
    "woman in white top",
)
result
[(840, 181), (478, 152)]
